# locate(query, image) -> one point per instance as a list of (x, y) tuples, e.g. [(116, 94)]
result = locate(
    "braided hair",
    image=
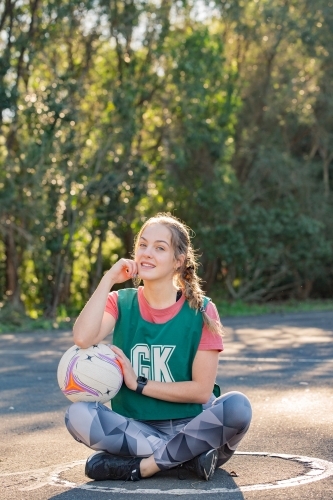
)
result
[(186, 277)]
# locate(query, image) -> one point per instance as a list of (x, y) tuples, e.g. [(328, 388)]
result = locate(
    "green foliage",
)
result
[(111, 111), (12, 321), (266, 252)]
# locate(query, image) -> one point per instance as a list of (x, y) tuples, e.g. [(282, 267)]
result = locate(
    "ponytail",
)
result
[(189, 281)]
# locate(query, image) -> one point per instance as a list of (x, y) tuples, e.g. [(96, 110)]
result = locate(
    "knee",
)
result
[(237, 410), (79, 416), (77, 411)]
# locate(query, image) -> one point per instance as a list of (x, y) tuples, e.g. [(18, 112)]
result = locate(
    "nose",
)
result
[(147, 252)]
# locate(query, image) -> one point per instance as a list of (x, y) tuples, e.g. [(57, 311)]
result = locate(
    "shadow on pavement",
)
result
[(167, 485)]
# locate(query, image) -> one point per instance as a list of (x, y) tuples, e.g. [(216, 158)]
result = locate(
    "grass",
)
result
[(13, 322), (19, 323)]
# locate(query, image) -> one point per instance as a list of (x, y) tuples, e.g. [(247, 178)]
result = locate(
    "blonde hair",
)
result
[(186, 275)]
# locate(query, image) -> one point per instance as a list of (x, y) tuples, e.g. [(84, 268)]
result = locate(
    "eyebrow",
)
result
[(156, 241)]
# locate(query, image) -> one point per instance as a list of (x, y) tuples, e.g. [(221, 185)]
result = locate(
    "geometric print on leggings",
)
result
[(100, 428), (221, 426)]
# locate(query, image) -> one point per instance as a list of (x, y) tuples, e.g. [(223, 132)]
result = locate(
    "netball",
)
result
[(92, 374)]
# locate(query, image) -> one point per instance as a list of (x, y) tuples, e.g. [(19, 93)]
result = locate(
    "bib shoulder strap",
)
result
[(206, 301)]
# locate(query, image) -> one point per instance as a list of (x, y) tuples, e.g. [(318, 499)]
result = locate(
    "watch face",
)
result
[(143, 380)]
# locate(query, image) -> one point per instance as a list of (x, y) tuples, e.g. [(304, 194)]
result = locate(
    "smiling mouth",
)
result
[(147, 266)]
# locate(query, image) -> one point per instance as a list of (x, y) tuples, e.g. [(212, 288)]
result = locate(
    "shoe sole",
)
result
[(211, 465)]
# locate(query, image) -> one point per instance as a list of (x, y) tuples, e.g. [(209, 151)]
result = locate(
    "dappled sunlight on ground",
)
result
[(284, 338), (305, 403)]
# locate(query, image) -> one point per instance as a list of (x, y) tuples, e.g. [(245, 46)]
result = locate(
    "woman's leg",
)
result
[(221, 426), (101, 429)]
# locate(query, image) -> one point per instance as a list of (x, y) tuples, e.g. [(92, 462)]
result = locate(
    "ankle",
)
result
[(148, 467)]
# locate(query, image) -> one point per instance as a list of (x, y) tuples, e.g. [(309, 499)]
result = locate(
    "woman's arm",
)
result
[(93, 323), (198, 390)]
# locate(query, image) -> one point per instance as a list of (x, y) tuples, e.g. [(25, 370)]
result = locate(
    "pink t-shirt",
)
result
[(209, 340)]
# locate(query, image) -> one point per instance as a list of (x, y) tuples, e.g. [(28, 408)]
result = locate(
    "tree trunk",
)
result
[(97, 268), (57, 289), (66, 289), (13, 291), (304, 290), (128, 240), (209, 276), (326, 177)]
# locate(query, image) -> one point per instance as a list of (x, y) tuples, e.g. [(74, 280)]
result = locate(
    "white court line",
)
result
[(318, 469)]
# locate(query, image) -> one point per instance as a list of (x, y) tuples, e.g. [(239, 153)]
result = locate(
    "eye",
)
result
[(160, 248), (142, 245)]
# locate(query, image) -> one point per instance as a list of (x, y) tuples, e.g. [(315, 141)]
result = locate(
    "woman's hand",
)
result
[(123, 270), (128, 372), (93, 323)]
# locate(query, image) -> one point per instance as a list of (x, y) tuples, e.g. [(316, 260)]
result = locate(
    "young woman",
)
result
[(167, 336)]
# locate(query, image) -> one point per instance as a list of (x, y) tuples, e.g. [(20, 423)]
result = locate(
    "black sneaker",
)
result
[(102, 466), (203, 466)]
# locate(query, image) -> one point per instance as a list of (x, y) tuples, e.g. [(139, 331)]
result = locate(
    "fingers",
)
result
[(128, 372), (119, 353), (130, 267), (116, 349), (123, 270)]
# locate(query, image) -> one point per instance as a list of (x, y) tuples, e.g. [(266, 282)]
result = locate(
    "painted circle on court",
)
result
[(318, 469)]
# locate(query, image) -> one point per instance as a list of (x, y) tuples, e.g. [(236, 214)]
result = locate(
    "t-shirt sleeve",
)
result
[(209, 340), (112, 304)]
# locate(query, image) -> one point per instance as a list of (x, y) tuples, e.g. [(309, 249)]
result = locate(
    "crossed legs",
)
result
[(221, 426)]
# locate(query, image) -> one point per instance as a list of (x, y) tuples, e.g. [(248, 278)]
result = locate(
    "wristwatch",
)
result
[(142, 382)]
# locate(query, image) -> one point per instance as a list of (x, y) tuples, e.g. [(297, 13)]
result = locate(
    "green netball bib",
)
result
[(161, 352)]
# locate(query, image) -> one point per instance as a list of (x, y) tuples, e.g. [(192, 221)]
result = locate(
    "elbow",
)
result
[(80, 341), (200, 393), (203, 397), (82, 344)]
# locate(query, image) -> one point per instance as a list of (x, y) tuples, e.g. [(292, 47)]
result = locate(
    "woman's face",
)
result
[(155, 255)]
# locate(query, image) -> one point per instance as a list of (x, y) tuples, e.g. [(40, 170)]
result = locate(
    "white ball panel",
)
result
[(94, 379)]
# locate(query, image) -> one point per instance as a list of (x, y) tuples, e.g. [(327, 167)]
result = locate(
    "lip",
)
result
[(147, 265)]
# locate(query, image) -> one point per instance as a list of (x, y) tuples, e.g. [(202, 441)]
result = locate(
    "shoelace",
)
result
[(131, 463)]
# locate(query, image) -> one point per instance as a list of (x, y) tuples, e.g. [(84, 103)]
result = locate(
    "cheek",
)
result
[(171, 261)]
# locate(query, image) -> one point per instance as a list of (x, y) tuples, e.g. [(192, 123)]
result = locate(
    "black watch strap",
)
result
[(142, 382)]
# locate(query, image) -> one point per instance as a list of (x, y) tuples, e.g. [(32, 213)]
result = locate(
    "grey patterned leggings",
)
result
[(222, 425)]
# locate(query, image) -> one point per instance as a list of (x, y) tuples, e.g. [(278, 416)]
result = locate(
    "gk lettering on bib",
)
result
[(152, 362)]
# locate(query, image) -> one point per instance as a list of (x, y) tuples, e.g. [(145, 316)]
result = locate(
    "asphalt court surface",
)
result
[(283, 363)]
